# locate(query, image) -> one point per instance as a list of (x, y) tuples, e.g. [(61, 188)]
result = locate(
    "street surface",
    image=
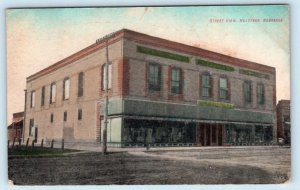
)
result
[(244, 165)]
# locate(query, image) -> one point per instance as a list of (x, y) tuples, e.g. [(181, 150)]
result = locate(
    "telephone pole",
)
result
[(104, 146), (100, 40)]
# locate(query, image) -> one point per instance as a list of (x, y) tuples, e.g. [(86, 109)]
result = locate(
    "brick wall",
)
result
[(138, 87), (282, 109)]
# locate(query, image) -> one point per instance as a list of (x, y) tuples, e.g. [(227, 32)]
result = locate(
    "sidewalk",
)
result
[(152, 149)]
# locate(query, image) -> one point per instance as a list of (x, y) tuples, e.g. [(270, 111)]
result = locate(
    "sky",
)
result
[(38, 38)]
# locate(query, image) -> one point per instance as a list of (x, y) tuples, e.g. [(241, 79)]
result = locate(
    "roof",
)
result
[(18, 124), (154, 41), (284, 103), (18, 114)]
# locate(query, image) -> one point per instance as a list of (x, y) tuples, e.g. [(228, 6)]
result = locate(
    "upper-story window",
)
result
[(80, 84), (52, 92), (65, 116), (66, 89), (51, 118), (32, 97), (79, 115), (176, 81), (31, 127), (206, 85), (223, 88), (43, 96), (154, 77), (104, 76), (260, 94), (247, 88)]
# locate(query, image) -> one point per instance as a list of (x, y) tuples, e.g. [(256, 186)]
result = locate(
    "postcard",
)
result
[(149, 95)]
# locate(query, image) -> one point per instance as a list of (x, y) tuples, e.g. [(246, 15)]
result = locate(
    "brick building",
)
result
[(284, 120), (14, 130), (160, 92)]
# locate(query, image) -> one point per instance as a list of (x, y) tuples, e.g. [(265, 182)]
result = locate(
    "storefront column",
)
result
[(253, 135), (198, 133)]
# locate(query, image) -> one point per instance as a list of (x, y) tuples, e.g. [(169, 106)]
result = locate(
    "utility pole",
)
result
[(104, 146), (24, 120)]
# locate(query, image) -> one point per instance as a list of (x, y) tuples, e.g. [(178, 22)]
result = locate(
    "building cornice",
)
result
[(157, 42)]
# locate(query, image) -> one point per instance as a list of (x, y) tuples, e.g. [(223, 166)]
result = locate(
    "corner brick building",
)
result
[(284, 120), (160, 92)]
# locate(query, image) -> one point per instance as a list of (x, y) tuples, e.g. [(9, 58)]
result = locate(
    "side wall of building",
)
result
[(73, 129)]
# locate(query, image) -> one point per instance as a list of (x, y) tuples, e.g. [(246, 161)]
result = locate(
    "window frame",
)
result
[(103, 76), (154, 85), (79, 115), (32, 99), (247, 93), (226, 90), (66, 91), (51, 118), (31, 126), (52, 99), (179, 81), (80, 85), (43, 96), (207, 88), (65, 116), (260, 95)]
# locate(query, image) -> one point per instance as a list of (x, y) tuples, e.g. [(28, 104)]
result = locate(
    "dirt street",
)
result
[(207, 166)]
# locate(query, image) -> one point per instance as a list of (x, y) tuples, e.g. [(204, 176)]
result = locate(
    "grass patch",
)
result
[(29, 152)]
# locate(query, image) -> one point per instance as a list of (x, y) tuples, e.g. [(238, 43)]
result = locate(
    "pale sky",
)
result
[(37, 38)]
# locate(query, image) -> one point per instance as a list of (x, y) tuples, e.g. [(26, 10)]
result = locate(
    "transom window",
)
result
[(66, 89), (247, 91), (176, 81), (154, 77), (260, 94), (206, 85), (104, 76), (223, 88)]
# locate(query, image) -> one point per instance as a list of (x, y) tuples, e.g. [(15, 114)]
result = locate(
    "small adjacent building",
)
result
[(160, 92), (15, 129), (284, 120)]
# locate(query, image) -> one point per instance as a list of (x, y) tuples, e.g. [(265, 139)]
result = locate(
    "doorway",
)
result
[(211, 134)]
